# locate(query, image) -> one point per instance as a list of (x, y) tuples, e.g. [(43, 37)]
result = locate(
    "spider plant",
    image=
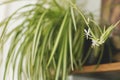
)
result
[(48, 42)]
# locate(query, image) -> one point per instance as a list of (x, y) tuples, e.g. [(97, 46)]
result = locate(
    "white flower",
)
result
[(95, 42), (87, 33)]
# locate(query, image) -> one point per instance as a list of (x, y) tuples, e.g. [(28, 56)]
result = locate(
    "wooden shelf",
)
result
[(101, 68), (109, 71)]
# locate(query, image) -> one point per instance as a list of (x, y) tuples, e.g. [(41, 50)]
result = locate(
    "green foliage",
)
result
[(48, 42)]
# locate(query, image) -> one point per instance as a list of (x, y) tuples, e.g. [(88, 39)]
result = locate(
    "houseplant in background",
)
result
[(50, 40)]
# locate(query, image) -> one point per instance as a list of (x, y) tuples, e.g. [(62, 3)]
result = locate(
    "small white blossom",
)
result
[(87, 33), (95, 43)]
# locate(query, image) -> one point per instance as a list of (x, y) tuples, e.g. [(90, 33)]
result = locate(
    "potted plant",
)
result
[(49, 42)]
